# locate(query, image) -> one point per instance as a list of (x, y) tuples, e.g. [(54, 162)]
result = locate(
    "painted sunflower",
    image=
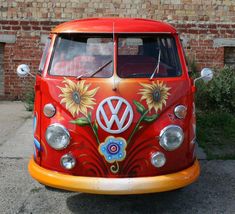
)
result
[(76, 96), (155, 94)]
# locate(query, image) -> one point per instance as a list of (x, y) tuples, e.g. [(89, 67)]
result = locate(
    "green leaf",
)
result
[(83, 121), (139, 107), (95, 127), (89, 115), (150, 119)]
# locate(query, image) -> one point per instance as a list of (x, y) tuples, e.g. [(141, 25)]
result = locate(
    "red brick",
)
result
[(4, 22), (6, 27), (24, 22), (36, 28), (16, 27), (46, 28), (13, 22), (26, 27)]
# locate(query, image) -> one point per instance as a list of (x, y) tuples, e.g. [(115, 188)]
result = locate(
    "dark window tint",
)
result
[(229, 56), (1, 69)]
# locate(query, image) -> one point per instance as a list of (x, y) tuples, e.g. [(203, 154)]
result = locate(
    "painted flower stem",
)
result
[(137, 126), (114, 168), (94, 131)]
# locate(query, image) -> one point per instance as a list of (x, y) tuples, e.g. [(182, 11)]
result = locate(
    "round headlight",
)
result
[(180, 111), (57, 136), (158, 159), (67, 161), (171, 137)]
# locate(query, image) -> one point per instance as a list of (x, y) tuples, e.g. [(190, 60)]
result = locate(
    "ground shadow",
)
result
[(147, 203)]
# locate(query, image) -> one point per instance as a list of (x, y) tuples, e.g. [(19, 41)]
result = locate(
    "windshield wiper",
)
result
[(97, 71), (158, 65)]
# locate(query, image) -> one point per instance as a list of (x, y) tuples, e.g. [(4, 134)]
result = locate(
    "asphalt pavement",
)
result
[(214, 192)]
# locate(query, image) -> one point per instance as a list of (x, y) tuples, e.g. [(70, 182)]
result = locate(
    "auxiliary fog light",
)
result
[(68, 161), (180, 111), (171, 137), (158, 159), (49, 110), (57, 136)]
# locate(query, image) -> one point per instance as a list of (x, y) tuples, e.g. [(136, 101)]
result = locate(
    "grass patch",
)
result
[(36, 189), (29, 100), (216, 134)]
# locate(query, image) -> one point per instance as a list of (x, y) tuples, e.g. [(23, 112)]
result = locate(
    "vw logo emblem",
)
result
[(114, 115)]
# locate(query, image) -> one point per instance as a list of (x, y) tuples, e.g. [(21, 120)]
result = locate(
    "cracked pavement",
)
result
[(214, 192)]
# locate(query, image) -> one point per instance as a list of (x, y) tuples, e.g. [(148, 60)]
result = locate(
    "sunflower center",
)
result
[(76, 97), (156, 95)]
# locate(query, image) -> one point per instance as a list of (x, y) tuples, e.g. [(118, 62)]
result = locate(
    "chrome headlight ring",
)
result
[(171, 137), (57, 136)]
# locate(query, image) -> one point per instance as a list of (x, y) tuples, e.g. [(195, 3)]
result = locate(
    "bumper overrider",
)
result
[(115, 186)]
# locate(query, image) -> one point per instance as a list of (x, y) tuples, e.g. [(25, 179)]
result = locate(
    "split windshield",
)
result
[(139, 56), (83, 55)]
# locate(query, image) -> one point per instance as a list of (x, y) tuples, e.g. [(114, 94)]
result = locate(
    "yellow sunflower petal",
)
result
[(146, 85), (86, 96), (74, 109), (147, 94), (92, 92)]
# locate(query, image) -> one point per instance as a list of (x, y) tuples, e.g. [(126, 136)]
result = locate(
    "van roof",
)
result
[(117, 25)]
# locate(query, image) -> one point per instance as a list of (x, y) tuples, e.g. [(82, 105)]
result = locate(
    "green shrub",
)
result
[(29, 99), (219, 93), (216, 134), (192, 67)]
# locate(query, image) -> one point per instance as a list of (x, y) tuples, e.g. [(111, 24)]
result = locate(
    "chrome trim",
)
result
[(64, 129), (68, 156), (120, 122), (156, 154), (177, 108), (164, 130), (52, 108)]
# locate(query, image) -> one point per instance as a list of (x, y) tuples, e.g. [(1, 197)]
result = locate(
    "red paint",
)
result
[(83, 144), (120, 25)]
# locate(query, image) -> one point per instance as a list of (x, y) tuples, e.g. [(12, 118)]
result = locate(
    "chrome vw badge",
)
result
[(114, 115)]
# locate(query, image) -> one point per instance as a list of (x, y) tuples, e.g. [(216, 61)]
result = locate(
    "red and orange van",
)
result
[(114, 108)]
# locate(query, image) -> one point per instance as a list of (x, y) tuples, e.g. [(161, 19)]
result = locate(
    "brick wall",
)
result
[(199, 22)]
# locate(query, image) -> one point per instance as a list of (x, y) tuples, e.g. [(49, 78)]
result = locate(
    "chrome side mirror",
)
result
[(206, 75), (23, 70)]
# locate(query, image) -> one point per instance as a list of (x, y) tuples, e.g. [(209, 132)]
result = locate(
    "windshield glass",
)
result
[(139, 55), (83, 55)]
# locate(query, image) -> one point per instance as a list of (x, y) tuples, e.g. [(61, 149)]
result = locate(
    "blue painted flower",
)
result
[(34, 153), (34, 123), (113, 149), (36, 148), (37, 144)]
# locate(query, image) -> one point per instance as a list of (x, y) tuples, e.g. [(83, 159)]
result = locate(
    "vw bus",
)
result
[(114, 108)]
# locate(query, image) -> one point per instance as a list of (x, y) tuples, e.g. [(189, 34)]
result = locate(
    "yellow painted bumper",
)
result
[(115, 186)]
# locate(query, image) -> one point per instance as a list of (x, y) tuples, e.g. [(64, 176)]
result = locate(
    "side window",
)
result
[(229, 56), (44, 55), (1, 69), (167, 52)]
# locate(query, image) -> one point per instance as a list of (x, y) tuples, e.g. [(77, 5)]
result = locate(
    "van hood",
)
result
[(113, 121)]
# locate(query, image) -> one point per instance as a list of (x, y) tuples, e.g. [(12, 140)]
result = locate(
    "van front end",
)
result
[(114, 110)]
